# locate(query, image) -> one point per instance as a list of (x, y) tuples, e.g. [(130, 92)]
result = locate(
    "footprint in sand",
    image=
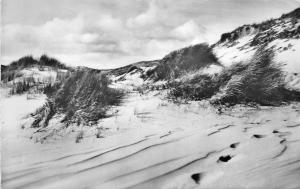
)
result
[(197, 177), (224, 158), (282, 132), (275, 131), (258, 136), (234, 145)]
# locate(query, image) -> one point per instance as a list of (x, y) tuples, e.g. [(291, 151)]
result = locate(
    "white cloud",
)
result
[(189, 30), (103, 33), (147, 18), (108, 23), (101, 39), (89, 37)]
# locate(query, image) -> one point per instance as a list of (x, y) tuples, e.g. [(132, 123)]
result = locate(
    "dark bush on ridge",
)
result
[(260, 81), (52, 62), (10, 72), (184, 60), (84, 98), (200, 87), (20, 88), (51, 89)]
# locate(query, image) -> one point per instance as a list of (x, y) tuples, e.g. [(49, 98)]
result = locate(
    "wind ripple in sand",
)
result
[(42, 175), (187, 158)]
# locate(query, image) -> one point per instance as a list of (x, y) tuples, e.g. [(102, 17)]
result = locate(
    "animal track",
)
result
[(224, 158), (275, 131), (281, 134), (196, 177), (234, 145), (246, 129), (258, 136)]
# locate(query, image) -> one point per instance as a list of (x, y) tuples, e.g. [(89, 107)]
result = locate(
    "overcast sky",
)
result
[(112, 33)]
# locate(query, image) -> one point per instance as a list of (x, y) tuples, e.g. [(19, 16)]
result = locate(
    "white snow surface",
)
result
[(153, 143)]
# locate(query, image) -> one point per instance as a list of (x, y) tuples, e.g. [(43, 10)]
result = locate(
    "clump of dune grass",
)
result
[(79, 136), (260, 81), (83, 98), (176, 63), (99, 132), (199, 88)]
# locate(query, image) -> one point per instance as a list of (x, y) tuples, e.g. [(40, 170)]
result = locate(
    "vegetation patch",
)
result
[(83, 98), (21, 82), (259, 81), (179, 62), (10, 72)]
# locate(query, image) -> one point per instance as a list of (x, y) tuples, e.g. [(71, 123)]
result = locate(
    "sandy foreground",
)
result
[(153, 143)]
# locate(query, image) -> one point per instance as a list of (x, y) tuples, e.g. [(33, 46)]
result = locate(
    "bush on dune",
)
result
[(31, 85), (51, 62), (44, 114), (200, 87), (11, 71), (90, 99), (259, 81), (20, 87), (184, 60), (84, 98)]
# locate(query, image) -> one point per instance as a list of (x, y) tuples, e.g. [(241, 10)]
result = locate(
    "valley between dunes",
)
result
[(153, 143)]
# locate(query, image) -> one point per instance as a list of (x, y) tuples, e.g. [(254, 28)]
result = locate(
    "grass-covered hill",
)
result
[(184, 61), (83, 95), (260, 81), (83, 98), (284, 27), (12, 71)]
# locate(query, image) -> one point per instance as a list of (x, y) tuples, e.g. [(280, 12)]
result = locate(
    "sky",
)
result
[(114, 33)]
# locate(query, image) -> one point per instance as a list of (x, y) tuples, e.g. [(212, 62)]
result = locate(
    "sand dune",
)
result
[(157, 144)]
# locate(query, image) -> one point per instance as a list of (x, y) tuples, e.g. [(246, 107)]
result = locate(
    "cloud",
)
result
[(147, 18), (102, 38), (108, 23), (57, 35), (189, 30), (103, 34), (89, 37)]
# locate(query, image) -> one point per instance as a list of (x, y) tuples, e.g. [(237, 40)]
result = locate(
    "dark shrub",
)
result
[(198, 88), (20, 87), (259, 81), (52, 62), (133, 68), (10, 71), (44, 114), (85, 97), (50, 89), (184, 60)]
